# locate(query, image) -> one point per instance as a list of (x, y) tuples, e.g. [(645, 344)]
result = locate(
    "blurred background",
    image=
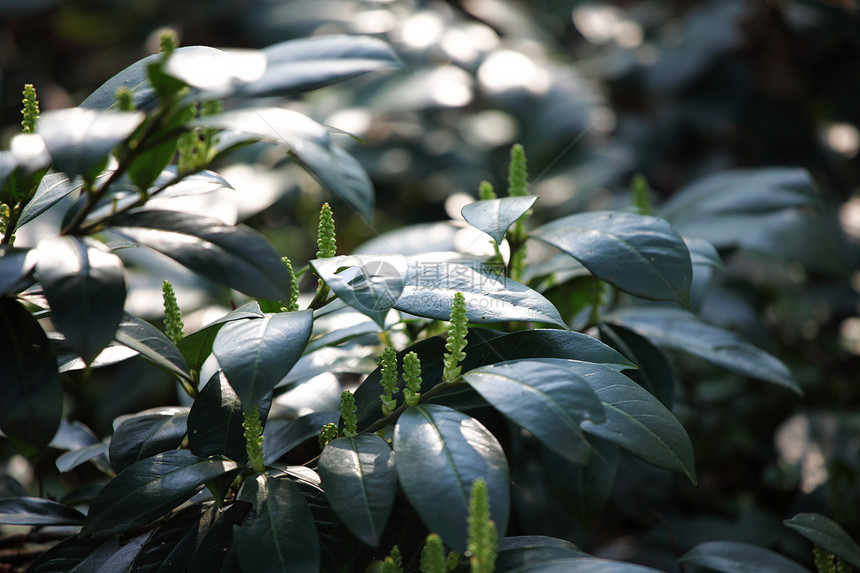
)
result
[(596, 92)]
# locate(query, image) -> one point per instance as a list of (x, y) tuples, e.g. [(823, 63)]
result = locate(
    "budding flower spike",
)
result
[(485, 191), (327, 434), (30, 112), (293, 304), (412, 379), (348, 413), (254, 440), (483, 538), (433, 555), (173, 325), (326, 244), (388, 362), (456, 340), (518, 175)]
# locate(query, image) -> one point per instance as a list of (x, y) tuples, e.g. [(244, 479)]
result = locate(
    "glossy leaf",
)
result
[(16, 269), (37, 511), (682, 330), (283, 436), (75, 555), (172, 544), (281, 536), (256, 354), (655, 372), (547, 396), (197, 346), (639, 423), (703, 253), (236, 256), (152, 344), (737, 557), (360, 482), (526, 550), (310, 145), (149, 488), (440, 452), (32, 403), (141, 437), (638, 254), (827, 534), (72, 459), (85, 287), (52, 189), (489, 347), (583, 565), (80, 139), (214, 549), (217, 71), (494, 216), (122, 559)]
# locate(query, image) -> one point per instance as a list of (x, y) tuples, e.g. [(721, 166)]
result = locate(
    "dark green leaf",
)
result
[(172, 544), (197, 346), (238, 257), (283, 436), (360, 482), (489, 347), (213, 551), (583, 488), (75, 555), (122, 559), (80, 139), (639, 423), (85, 287), (217, 71), (440, 452), (72, 459), (736, 557), (703, 253), (32, 403), (655, 372), (144, 436), (583, 564), (37, 511), (638, 254), (16, 269), (826, 534), (141, 336), (256, 354), (281, 535), (149, 488), (546, 396), (52, 189), (494, 216), (521, 551), (682, 330)]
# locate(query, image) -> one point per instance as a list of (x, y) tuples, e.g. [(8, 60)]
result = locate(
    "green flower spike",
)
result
[(482, 543), (173, 326), (394, 562), (348, 413), (518, 175), (412, 378), (388, 362), (485, 191), (168, 40), (518, 184), (254, 440), (124, 100), (327, 434), (293, 304), (433, 555), (641, 192), (456, 340), (30, 112), (326, 243)]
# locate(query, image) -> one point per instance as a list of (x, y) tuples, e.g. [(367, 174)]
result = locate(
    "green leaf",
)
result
[(638, 254), (682, 330), (75, 555), (827, 534), (489, 347), (172, 544), (215, 421), (639, 423), (703, 253), (439, 453), (141, 437), (16, 269), (52, 189), (80, 139), (736, 557), (152, 344), (218, 72), (282, 436), (215, 548), (256, 354), (37, 511), (655, 372), (72, 459), (547, 396), (360, 483), (236, 256), (494, 216), (525, 550), (583, 565), (197, 346), (32, 403), (281, 536), (148, 489), (84, 285)]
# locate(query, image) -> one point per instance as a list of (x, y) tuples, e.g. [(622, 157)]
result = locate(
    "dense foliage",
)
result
[(557, 379)]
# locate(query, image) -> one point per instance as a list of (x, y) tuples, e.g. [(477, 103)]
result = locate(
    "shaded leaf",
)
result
[(521, 551), (32, 403), (360, 482), (144, 436), (197, 346), (171, 546), (52, 189), (149, 488), (37, 511), (583, 564), (455, 449), (236, 256), (84, 285), (281, 535), (16, 269), (546, 396), (494, 216), (75, 555), (827, 534), (736, 557), (214, 551), (281, 437), (256, 354), (72, 459), (682, 330), (152, 344), (638, 254), (655, 372)]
